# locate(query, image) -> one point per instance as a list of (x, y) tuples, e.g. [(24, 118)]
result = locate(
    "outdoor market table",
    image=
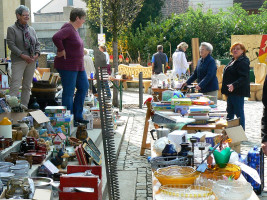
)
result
[(117, 86), (156, 184), (211, 127)]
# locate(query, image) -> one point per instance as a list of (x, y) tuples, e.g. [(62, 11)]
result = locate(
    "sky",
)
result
[(37, 4)]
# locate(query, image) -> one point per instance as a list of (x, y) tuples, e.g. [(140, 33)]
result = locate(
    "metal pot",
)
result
[(161, 132)]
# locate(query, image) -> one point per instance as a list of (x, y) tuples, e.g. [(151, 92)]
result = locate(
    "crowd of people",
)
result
[(23, 43)]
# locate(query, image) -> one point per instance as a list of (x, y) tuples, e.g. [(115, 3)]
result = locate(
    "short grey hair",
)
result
[(207, 45), (22, 8)]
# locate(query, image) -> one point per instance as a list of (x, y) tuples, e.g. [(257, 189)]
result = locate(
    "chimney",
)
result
[(70, 3)]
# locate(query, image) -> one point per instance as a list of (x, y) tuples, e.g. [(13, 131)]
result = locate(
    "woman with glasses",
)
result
[(236, 84), (25, 49), (70, 64)]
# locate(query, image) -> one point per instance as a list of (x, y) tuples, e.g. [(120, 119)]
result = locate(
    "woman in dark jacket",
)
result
[(205, 72), (236, 84), (264, 118)]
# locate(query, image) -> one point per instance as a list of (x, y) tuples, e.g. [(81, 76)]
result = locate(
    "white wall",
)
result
[(215, 5)]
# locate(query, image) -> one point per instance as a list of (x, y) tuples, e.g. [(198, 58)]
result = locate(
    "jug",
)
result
[(6, 128), (161, 132)]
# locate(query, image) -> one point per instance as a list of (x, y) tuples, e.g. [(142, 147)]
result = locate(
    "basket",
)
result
[(160, 162), (43, 84)]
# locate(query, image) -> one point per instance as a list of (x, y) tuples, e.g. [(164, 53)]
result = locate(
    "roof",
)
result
[(250, 4), (55, 6), (61, 135)]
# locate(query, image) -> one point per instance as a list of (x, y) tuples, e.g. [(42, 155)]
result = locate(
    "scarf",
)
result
[(28, 40)]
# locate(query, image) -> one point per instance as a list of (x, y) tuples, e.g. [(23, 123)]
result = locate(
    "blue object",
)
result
[(70, 80), (179, 94), (169, 150), (256, 161)]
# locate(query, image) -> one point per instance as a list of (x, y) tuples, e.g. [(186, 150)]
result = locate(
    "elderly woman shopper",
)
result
[(25, 49), (205, 72), (180, 64), (70, 65), (236, 84)]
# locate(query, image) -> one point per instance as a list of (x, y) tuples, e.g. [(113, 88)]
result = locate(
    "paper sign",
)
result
[(101, 39), (46, 76), (39, 116), (237, 134)]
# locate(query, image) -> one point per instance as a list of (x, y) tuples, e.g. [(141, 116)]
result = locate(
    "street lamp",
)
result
[(101, 16)]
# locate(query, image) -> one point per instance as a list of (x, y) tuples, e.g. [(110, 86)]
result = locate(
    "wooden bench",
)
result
[(135, 70)]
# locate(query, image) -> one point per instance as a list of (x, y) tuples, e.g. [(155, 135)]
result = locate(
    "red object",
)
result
[(120, 58), (78, 156), (148, 100), (127, 60), (111, 58), (82, 155), (149, 64), (86, 181), (37, 158)]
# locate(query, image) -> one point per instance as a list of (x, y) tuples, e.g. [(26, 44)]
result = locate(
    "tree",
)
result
[(150, 11), (117, 15)]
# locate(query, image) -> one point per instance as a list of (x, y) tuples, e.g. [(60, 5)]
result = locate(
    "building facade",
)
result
[(50, 18), (180, 6), (7, 18)]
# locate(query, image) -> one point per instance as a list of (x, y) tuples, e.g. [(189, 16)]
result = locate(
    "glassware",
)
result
[(234, 190)]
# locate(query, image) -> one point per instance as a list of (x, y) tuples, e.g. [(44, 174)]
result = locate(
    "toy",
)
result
[(59, 140), (33, 133)]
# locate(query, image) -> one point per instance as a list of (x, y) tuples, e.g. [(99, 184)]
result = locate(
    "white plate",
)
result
[(6, 174)]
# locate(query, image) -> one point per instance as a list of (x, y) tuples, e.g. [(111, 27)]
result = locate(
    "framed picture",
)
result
[(92, 154), (78, 156), (82, 155), (92, 145)]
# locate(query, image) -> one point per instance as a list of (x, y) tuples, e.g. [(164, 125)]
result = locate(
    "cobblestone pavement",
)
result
[(130, 159)]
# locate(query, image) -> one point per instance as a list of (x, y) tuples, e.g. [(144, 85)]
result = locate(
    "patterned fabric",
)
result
[(28, 40)]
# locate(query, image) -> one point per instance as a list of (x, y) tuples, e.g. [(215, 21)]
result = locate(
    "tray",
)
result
[(41, 181)]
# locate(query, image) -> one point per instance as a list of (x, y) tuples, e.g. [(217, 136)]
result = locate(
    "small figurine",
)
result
[(57, 161), (81, 133), (33, 133), (59, 140)]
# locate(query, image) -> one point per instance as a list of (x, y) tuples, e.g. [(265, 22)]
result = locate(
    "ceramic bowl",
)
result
[(19, 169), (9, 164), (4, 168)]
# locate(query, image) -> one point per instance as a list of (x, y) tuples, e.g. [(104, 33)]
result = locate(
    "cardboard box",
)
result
[(55, 109), (97, 123)]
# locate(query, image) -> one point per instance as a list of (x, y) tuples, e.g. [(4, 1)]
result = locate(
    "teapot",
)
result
[(169, 150), (161, 132)]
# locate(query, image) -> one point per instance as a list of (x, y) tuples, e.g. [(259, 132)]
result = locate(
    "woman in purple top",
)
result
[(69, 64)]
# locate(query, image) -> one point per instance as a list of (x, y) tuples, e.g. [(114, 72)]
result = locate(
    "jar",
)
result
[(2, 143), (184, 150)]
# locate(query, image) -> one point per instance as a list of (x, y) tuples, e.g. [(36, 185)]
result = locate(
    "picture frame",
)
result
[(82, 155), (92, 145), (90, 153), (78, 156)]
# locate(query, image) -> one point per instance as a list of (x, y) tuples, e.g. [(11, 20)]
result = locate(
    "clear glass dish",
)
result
[(234, 190), (186, 191)]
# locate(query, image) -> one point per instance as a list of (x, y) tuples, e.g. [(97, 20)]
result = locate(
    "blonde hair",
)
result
[(182, 45)]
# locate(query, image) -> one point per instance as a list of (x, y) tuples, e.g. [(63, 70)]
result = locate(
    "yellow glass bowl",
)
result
[(176, 175), (230, 171)]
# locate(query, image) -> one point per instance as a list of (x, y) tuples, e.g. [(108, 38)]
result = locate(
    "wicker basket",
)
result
[(43, 84), (160, 162)]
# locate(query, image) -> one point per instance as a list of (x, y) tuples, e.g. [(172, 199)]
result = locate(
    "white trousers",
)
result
[(22, 74)]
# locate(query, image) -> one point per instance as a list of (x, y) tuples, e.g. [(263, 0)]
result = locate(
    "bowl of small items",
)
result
[(176, 175)]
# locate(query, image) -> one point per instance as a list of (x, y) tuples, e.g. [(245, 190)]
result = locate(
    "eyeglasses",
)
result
[(25, 15)]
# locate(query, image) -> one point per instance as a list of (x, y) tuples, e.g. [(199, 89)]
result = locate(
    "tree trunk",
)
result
[(115, 64)]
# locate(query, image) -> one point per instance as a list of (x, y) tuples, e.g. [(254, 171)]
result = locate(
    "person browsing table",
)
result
[(25, 49), (205, 72), (70, 64), (235, 83)]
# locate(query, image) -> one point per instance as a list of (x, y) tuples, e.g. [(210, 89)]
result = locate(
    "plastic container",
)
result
[(6, 128)]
